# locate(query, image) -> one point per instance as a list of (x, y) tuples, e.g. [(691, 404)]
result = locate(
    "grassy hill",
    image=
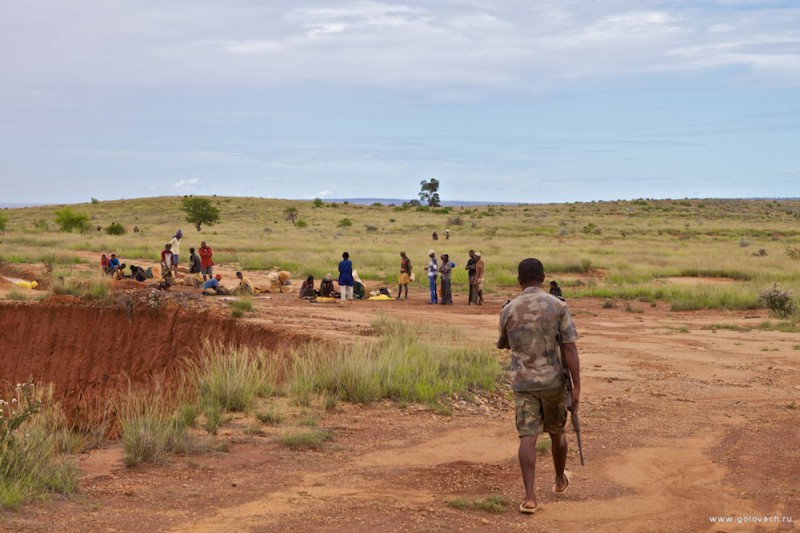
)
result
[(623, 249)]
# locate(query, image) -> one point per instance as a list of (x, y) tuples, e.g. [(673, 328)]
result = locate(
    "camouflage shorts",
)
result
[(542, 411)]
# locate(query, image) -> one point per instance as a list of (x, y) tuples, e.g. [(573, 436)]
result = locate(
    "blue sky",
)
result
[(548, 101)]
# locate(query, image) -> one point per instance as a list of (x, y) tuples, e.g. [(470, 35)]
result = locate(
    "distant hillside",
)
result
[(400, 201)]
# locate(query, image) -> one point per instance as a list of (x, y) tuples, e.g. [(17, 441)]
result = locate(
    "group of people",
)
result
[(440, 277)]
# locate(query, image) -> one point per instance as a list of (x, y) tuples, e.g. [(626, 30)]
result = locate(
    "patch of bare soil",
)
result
[(681, 424)]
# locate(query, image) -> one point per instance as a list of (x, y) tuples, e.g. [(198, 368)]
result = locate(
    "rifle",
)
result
[(576, 423)]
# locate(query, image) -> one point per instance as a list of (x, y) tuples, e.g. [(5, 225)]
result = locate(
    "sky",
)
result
[(500, 100)]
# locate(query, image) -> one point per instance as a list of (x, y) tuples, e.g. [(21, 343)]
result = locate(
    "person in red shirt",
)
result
[(206, 263)]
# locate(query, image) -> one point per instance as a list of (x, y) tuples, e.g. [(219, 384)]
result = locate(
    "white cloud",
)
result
[(181, 185), (323, 194), (436, 46)]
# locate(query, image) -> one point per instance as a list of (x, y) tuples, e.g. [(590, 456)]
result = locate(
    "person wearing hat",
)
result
[(212, 286), (433, 271), (479, 270), (175, 246), (326, 286), (405, 274)]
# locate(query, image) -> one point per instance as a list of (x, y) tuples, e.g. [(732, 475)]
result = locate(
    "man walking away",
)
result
[(346, 277), (470, 268), (405, 274), (529, 326), (433, 270)]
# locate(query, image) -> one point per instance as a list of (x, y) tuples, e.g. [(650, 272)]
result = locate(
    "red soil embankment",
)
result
[(87, 350)]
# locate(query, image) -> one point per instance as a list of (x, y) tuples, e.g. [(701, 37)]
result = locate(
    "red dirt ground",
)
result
[(682, 421)]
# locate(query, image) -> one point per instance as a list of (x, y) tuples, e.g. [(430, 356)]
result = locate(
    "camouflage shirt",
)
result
[(529, 325)]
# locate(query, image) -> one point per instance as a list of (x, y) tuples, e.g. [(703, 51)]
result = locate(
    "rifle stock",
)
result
[(576, 423)]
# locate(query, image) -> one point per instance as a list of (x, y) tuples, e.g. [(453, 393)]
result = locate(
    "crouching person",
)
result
[(212, 286)]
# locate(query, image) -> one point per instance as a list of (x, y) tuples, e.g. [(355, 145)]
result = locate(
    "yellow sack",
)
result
[(27, 284), (381, 297)]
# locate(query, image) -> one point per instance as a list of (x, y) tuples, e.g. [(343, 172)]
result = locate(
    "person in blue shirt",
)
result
[(113, 264), (213, 286), (346, 277)]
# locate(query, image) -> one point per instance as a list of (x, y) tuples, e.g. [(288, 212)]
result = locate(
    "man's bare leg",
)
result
[(559, 449), (527, 464)]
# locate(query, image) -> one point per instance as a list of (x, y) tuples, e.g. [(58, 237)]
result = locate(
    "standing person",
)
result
[(405, 274), (529, 326), (175, 245), (346, 277), (433, 270), (447, 234), (445, 270), (435, 236), (166, 259), (206, 263), (470, 268), (479, 270), (194, 262)]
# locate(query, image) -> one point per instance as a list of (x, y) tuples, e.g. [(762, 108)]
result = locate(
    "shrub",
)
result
[(793, 252), (302, 223), (457, 220), (115, 228), (318, 202), (68, 220), (345, 222), (95, 201), (3, 222), (779, 302), (371, 229)]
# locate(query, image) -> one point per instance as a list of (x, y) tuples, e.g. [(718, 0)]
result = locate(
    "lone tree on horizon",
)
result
[(429, 192), (291, 214), (199, 211)]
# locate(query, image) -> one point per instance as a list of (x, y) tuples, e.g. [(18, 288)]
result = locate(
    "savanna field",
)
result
[(187, 412)]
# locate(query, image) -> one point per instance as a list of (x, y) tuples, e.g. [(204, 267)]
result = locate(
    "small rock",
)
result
[(485, 521)]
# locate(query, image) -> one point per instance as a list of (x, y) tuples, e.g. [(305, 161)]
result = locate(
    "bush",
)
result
[(115, 228), (3, 222), (371, 229), (68, 220), (793, 252), (345, 222), (302, 223), (318, 202), (457, 220), (779, 302)]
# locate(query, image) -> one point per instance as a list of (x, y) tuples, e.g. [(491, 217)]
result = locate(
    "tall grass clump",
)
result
[(231, 377), (30, 462), (405, 364), (150, 427)]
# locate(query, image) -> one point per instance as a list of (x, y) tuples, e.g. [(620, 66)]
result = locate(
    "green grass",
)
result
[(298, 440), (406, 364), (270, 417), (631, 251), (492, 504)]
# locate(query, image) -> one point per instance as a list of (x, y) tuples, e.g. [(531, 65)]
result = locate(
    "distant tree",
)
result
[(318, 202), (291, 214), (200, 211), (3, 223), (68, 220), (429, 192)]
